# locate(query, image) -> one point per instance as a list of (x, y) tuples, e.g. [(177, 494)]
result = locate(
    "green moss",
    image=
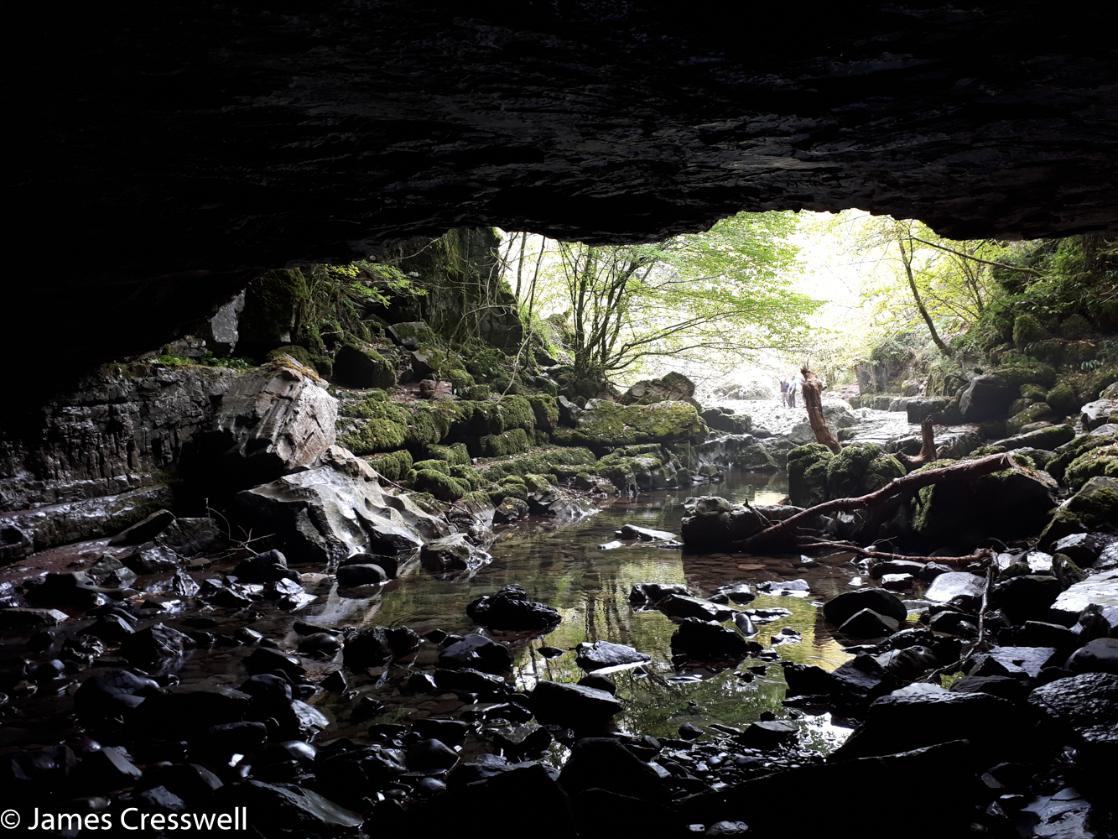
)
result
[(807, 474), (1069, 452), (469, 475), (1099, 461), (1063, 399), (378, 425), (478, 392), (439, 485), (537, 483), (511, 486), (459, 379), (1075, 326), (437, 465), (503, 444), (546, 411), (392, 465), (860, 468), (453, 453), (543, 460), (1027, 372), (1026, 329), (1033, 413)]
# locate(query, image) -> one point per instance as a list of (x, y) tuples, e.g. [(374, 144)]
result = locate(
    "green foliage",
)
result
[(207, 359)]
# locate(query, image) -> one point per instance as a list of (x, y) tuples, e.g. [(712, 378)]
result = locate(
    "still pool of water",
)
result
[(563, 565)]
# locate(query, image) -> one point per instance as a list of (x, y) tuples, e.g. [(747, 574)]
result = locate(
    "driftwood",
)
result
[(873, 553), (784, 531), (813, 401), (927, 453)]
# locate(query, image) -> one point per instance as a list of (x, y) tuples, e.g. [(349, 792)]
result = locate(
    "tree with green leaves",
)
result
[(714, 295)]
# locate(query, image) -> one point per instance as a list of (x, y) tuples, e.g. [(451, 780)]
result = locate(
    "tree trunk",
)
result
[(928, 451), (906, 260), (813, 401)]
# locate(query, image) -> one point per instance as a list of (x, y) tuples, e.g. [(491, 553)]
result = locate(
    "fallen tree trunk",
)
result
[(873, 553), (813, 401), (785, 531)]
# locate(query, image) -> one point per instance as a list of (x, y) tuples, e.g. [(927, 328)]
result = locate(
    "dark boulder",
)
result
[(360, 574), (1097, 656), (840, 609), (478, 653), (987, 397), (769, 734), (703, 641), (374, 646), (866, 623), (923, 715), (267, 567), (574, 706), (604, 763), (683, 606), (511, 609)]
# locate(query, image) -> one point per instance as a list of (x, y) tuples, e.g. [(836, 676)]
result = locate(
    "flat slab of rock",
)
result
[(19, 619), (646, 534), (1100, 589), (955, 584), (1018, 662), (575, 706), (684, 606), (602, 654)]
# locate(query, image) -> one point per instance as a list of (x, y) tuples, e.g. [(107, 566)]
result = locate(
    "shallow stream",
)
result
[(563, 565)]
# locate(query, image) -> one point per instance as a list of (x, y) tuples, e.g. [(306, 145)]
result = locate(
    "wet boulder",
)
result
[(354, 574), (574, 706), (840, 609), (1085, 708), (725, 419), (266, 567), (987, 397), (155, 646), (923, 715), (111, 692), (1097, 656), (602, 654), (1084, 549), (478, 653), (21, 619), (325, 514), (866, 623), (703, 641), (452, 554), (948, 586), (292, 808), (144, 530), (374, 646), (769, 734), (604, 763), (807, 474), (1025, 597), (511, 609)]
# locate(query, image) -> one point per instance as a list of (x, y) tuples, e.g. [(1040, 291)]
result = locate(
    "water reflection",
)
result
[(562, 565)]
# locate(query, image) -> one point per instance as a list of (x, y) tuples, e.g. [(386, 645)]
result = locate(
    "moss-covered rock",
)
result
[(1027, 328), (439, 484), (546, 411), (375, 425), (514, 441), (320, 362), (437, 465), (1031, 413), (1063, 399), (1068, 452), (807, 474), (1008, 504), (547, 460), (605, 425), (1102, 460), (453, 453), (1094, 507), (860, 468), (392, 465), (1022, 372)]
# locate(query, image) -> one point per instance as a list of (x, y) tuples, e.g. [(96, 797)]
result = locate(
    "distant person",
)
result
[(795, 384), (783, 391)]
